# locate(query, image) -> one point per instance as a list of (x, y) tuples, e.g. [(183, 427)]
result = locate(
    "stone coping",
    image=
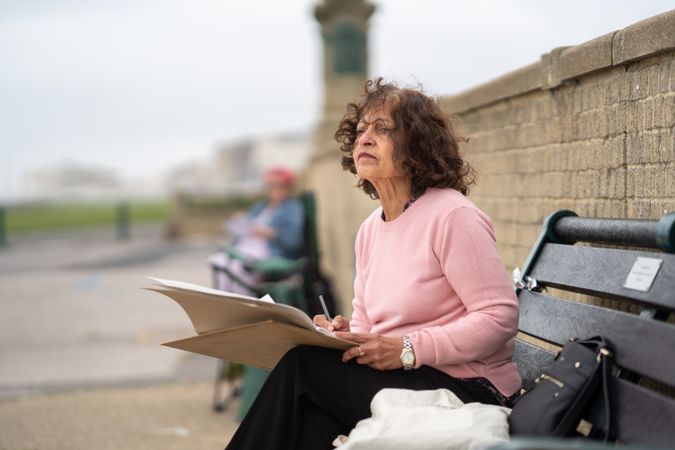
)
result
[(637, 41)]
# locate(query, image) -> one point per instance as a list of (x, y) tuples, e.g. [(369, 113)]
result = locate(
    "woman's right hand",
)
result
[(339, 323)]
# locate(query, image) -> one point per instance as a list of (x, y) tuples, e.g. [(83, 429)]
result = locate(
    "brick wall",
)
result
[(588, 128)]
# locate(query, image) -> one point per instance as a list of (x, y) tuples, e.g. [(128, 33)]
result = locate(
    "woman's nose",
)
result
[(365, 138)]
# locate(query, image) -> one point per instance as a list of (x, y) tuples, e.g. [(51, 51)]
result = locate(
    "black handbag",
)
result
[(553, 407)]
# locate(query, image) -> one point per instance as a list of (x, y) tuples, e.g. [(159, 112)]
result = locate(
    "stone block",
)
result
[(650, 181), (612, 88), (649, 208), (631, 181), (664, 112), (615, 150), (601, 124), (596, 95), (634, 146), (544, 107), (639, 84), (616, 119), (634, 116), (527, 234), (625, 83), (588, 57), (653, 80), (568, 128), (584, 208), (555, 130), (664, 77), (506, 232), (667, 146), (617, 183), (581, 184), (519, 81), (669, 182), (577, 102), (648, 114), (604, 184), (610, 208), (644, 38), (513, 255)]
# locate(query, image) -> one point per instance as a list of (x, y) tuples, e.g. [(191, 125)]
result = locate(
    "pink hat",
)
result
[(281, 173)]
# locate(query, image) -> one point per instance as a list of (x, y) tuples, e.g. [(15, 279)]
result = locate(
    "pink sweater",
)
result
[(434, 274)]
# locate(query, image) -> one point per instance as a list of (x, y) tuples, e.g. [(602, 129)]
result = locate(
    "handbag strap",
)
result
[(603, 376), (603, 349), (607, 359)]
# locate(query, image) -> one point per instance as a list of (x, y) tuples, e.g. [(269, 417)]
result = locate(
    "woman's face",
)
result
[(276, 188), (374, 147)]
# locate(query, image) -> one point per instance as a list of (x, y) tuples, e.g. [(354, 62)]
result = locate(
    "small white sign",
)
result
[(642, 274)]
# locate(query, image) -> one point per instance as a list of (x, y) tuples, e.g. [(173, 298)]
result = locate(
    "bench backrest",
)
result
[(644, 341), (315, 282)]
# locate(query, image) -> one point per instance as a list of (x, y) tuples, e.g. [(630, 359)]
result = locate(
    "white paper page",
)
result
[(266, 298), (210, 309), (183, 286)]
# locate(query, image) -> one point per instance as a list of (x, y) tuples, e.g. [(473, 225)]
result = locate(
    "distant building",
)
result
[(238, 167), (71, 181), (289, 150)]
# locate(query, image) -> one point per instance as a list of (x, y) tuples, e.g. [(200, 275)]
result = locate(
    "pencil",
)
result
[(325, 309)]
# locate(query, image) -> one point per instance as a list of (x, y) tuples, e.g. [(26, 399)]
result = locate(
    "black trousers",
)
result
[(311, 397)]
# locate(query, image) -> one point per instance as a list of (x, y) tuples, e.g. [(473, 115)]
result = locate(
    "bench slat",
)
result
[(640, 344), (530, 359), (602, 272), (641, 416)]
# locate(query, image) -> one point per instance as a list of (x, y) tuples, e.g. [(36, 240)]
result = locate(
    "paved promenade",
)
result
[(80, 362)]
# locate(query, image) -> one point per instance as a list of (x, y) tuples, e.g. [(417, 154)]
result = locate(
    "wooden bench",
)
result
[(644, 339)]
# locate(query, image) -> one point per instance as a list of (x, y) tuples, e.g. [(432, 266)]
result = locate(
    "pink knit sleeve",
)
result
[(359, 322), (470, 261)]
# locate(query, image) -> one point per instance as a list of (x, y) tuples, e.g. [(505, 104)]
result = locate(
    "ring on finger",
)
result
[(361, 352)]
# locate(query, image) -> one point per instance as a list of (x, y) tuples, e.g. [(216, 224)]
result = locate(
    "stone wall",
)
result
[(588, 128)]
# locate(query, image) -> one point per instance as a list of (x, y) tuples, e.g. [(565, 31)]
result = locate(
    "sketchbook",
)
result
[(243, 329)]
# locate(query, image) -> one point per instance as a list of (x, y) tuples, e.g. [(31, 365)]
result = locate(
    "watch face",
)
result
[(408, 358)]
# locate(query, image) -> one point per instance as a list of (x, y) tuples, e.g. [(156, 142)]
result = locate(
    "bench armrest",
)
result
[(275, 269), (564, 444)]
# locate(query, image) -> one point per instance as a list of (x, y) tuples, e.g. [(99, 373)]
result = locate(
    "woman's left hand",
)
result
[(379, 352)]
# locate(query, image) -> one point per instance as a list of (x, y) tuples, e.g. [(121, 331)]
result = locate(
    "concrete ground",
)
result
[(81, 365), (164, 416)]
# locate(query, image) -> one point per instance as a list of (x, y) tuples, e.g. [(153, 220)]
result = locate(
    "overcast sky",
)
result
[(142, 85)]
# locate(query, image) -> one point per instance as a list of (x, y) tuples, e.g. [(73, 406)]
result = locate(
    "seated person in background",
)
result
[(433, 304), (270, 228)]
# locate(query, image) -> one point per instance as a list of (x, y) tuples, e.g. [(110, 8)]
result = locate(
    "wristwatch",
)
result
[(407, 354)]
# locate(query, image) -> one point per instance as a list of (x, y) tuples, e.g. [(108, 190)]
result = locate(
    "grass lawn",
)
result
[(77, 215)]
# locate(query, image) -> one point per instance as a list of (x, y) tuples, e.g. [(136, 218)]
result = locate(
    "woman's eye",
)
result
[(360, 131), (384, 130)]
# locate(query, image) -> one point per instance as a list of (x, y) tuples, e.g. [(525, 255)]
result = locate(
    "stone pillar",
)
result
[(341, 208)]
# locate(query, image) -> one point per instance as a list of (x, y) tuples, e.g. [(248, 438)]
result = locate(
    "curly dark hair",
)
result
[(425, 143)]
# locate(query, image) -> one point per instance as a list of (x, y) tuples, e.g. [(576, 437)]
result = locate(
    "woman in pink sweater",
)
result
[(433, 306)]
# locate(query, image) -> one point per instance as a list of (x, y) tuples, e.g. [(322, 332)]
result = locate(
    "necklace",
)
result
[(406, 205)]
